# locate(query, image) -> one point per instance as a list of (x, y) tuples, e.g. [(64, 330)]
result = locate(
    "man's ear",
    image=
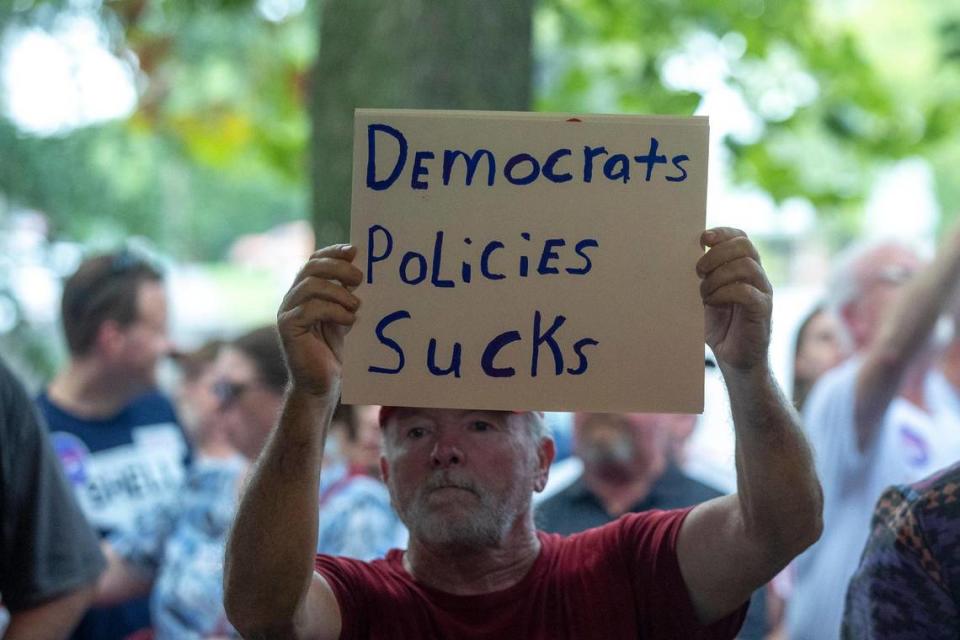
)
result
[(384, 469), (546, 452), (109, 339), (852, 320)]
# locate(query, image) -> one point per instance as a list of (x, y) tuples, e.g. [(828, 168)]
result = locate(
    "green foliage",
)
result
[(885, 83), (217, 146), (215, 149)]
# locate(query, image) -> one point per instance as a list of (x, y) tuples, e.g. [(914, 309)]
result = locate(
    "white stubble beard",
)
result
[(484, 524)]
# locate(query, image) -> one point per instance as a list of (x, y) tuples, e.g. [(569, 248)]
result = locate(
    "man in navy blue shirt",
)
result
[(627, 469), (115, 434)]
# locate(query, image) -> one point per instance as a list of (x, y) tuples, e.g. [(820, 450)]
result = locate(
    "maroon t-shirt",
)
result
[(621, 580)]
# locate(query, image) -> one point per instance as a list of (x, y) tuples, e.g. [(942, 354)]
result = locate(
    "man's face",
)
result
[(144, 341), (881, 275), (620, 446), (462, 478)]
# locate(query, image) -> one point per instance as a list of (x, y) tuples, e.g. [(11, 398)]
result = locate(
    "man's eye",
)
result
[(480, 425), (416, 433)]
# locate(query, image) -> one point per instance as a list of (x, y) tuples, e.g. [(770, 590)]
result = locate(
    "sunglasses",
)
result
[(228, 392), (893, 274)]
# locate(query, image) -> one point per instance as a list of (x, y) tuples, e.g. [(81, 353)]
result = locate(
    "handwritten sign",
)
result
[(527, 261)]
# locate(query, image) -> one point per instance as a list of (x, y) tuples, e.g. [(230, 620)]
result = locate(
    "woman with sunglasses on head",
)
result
[(176, 554)]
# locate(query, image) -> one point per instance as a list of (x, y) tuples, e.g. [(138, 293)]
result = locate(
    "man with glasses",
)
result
[(116, 436), (875, 419)]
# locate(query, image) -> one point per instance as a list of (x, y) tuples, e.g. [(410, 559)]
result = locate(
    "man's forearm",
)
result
[(902, 337), (269, 559), (778, 490)]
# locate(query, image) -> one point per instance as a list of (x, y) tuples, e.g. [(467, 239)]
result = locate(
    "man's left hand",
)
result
[(737, 296)]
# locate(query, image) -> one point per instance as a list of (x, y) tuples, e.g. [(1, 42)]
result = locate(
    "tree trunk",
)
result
[(426, 54)]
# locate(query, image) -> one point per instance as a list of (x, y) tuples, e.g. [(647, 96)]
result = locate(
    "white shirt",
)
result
[(910, 445)]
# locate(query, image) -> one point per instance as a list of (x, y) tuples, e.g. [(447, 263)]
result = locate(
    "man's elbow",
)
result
[(250, 624), (804, 526), (784, 534), (814, 528), (809, 534), (242, 612), (262, 630)]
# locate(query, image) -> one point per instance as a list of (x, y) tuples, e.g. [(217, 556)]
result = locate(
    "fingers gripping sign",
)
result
[(737, 296), (314, 316)]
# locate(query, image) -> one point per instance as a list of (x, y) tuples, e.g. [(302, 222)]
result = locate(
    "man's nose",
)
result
[(446, 454), (165, 346)]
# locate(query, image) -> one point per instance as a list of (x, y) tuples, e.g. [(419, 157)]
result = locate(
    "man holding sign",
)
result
[(462, 480)]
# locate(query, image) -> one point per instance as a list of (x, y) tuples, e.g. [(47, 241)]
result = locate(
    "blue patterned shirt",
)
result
[(181, 545), (357, 521)]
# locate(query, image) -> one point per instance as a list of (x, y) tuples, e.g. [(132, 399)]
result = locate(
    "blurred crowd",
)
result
[(117, 493)]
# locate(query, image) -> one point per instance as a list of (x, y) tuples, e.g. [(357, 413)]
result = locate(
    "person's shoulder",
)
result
[(217, 474), (652, 526), (18, 412), (933, 501), (57, 418), (359, 489), (923, 515), (572, 491), (153, 403), (617, 548), (681, 490), (367, 485), (562, 498), (10, 386), (570, 510), (153, 412), (652, 519), (837, 383), (345, 571)]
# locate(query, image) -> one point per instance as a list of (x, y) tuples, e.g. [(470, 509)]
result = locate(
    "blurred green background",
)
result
[(210, 130)]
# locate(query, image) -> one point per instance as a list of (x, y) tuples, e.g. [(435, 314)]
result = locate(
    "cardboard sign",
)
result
[(527, 261)]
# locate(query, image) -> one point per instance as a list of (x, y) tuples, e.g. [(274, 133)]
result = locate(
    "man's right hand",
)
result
[(315, 315)]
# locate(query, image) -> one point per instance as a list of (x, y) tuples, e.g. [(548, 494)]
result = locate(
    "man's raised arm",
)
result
[(730, 546), (270, 588), (902, 337)]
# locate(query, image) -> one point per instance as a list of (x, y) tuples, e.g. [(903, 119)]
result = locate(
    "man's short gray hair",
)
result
[(536, 425), (845, 282)]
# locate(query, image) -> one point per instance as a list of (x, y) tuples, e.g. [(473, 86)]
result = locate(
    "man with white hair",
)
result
[(462, 480), (872, 419)]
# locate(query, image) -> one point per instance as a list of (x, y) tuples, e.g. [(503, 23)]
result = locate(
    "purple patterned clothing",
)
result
[(908, 584)]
